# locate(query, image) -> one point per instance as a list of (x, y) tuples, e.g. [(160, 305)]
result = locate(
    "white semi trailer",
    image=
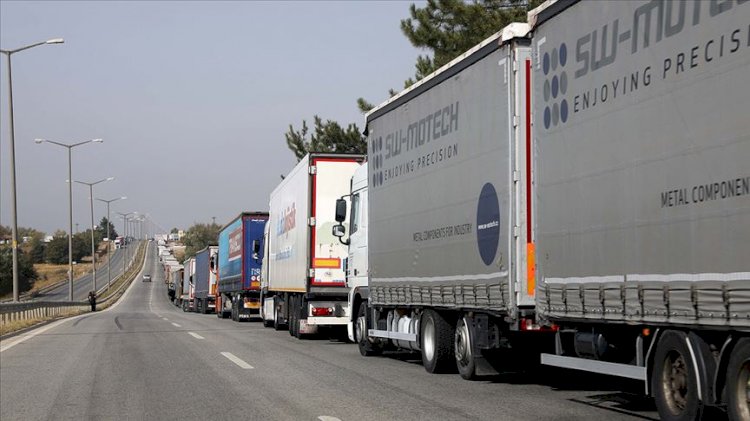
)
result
[(582, 179), (303, 284)]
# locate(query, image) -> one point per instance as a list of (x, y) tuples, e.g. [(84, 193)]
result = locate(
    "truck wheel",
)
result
[(366, 348), (738, 382), (293, 314), (674, 380), (277, 325), (463, 348), (437, 343)]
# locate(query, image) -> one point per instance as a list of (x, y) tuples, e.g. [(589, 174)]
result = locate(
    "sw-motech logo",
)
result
[(376, 150), (555, 86)]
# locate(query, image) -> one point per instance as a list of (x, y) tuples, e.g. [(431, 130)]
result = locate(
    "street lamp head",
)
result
[(55, 41), (97, 140), (123, 197), (39, 141), (110, 178)]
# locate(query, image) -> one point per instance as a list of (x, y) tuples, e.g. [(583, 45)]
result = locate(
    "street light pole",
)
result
[(70, 203), (109, 239), (14, 203), (125, 238), (93, 243)]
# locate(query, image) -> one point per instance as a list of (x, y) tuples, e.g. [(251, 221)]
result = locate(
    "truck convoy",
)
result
[(205, 279), (238, 293), (574, 189), (303, 284), (541, 187)]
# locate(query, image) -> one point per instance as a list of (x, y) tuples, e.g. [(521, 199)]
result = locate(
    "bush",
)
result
[(26, 273)]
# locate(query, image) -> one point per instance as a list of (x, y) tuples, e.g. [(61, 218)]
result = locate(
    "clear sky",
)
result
[(191, 98)]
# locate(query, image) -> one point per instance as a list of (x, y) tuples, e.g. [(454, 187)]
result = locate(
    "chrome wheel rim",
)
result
[(675, 382), (428, 340), (359, 329), (743, 391), (462, 344)]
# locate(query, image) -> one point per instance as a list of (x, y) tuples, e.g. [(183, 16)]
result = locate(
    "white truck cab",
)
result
[(356, 263)]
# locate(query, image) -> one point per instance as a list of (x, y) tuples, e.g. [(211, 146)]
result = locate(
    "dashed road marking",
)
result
[(175, 325), (327, 418), (165, 319), (195, 335), (233, 358)]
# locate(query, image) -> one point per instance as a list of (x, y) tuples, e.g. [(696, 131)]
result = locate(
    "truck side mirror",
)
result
[(339, 231), (340, 211)]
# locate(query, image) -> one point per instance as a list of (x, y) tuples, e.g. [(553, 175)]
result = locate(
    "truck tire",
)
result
[(674, 380), (738, 382), (463, 349), (293, 316), (277, 324), (366, 348), (204, 307), (437, 343)]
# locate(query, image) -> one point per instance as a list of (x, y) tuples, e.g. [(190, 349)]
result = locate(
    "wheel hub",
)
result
[(743, 390), (676, 382), (463, 344), (359, 329), (428, 341)]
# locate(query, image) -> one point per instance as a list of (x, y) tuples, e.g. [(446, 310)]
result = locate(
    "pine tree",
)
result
[(448, 28), (328, 136)]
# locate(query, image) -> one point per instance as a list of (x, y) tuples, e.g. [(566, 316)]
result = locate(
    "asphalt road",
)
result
[(83, 285), (146, 359)]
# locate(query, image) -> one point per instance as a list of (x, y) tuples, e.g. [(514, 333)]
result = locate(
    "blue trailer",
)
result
[(238, 294)]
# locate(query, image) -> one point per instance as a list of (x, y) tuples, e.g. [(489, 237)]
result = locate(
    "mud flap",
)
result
[(306, 329)]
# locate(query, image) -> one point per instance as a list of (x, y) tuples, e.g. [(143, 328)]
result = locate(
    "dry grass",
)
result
[(15, 325), (50, 274), (179, 253)]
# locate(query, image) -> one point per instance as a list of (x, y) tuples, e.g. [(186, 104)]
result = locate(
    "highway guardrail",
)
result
[(16, 316)]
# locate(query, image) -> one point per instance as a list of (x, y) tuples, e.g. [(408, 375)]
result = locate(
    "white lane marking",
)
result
[(327, 418), (196, 336), (26, 336), (30, 334), (176, 325), (165, 319), (231, 357)]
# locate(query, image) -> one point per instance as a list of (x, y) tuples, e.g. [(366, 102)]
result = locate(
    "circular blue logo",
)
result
[(488, 224)]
